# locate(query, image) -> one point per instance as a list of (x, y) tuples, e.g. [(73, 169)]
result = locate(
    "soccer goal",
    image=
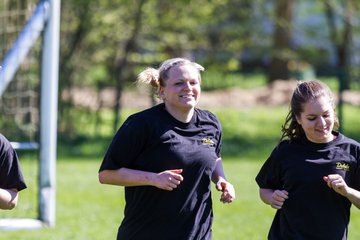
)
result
[(29, 53)]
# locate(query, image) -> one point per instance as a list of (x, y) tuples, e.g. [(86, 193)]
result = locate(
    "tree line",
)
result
[(106, 43)]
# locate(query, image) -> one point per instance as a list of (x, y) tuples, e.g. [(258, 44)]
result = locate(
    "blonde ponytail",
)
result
[(157, 77), (149, 76)]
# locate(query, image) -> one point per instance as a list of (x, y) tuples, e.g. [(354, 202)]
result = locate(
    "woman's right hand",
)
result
[(169, 179), (275, 198), (278, 198)]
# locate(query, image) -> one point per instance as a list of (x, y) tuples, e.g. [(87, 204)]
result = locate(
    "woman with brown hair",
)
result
[(313, 176)]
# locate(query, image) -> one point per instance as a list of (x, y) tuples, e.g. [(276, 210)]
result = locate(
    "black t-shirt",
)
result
[(313, 210), (154, 141), (10, 172)]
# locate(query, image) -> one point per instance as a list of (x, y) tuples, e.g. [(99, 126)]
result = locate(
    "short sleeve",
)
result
[(10, 172), (126, 145), (218, 134), (356, 175), (269, 174)]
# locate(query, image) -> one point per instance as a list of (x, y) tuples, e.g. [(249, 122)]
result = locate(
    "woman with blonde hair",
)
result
[(166, 157)]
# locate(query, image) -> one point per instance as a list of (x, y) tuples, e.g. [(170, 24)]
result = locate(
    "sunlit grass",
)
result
[(88, 210)]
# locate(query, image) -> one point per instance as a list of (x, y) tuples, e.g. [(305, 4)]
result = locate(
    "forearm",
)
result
[(221, 184), (126, 177), (218, 172), (354, 197), (274, 198), (338, 184), (266, 195), (8, 198)]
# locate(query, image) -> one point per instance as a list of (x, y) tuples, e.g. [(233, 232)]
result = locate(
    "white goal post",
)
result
[(45, 20)]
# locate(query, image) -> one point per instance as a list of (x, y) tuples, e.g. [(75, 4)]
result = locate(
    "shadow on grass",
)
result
[(238, 146), (256, 148), (253, 148), (83, 147)]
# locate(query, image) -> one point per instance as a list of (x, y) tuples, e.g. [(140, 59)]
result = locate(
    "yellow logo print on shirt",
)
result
[(207, 141), (342, 166)]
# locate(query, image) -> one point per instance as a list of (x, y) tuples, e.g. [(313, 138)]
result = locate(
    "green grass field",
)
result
[(87, 210)]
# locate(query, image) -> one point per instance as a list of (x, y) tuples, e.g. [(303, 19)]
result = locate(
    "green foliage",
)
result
[(96, 37), (217, 80), (95, 33), (350, 122)]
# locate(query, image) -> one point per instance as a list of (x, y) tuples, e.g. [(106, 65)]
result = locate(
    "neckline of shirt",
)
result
[(180, 123), (337, 138)]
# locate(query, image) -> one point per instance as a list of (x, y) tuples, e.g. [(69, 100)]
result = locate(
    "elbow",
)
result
[(263, 195), (112, 177), (11, 205), (8, 206), (105, 176), (102, 177)]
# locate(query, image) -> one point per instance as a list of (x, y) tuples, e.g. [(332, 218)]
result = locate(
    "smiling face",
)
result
[(317, 119), (182, 88)]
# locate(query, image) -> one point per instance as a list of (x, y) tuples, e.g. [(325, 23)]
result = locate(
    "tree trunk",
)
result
[(66, 70), (341, 42), (281, 41), (122, 63)]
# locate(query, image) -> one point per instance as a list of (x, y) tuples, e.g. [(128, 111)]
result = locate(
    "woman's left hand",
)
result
[(336, 182), (228, 191)]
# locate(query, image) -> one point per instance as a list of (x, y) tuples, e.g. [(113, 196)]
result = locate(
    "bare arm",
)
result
[(337, 183), (218, 177), (274, 198), (354, 197), (167, 180), (8, 198)]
